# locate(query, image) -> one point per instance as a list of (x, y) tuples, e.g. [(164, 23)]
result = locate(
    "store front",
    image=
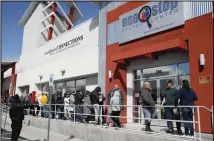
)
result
[(157, 41)]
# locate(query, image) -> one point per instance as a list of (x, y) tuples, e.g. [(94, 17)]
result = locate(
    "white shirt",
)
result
[(66, 102)]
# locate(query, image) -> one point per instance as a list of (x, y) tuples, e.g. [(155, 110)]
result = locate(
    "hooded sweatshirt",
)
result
[(94, 96), (115, 102)]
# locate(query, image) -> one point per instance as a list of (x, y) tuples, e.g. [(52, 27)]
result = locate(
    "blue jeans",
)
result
[(59, 112), (45, 111), (170, 115), (147, 112), (78, 116), (188, 116)]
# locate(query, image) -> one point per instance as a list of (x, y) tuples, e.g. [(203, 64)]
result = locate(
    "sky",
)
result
[(12, 33)]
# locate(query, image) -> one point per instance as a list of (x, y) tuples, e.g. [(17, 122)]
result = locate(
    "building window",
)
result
[(183, 72), (183, 69), (75, 84), (59, 86), (160, 71)]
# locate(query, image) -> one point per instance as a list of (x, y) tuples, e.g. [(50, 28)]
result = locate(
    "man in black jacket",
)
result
[(94, 97), (147, 100), (16, 113)]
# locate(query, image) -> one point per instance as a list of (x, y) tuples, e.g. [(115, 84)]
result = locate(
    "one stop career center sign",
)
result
[(149, 19)]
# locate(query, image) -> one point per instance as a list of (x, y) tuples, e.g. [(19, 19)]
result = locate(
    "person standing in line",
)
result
[(16, 113), (53, 106), (44, 100), (169, 100), (147, 101), (115, 109), (31, 106), (110, 95), (79, 96), (38, 103), (27, 101), (33, 97), (187, 97), (67, 114), (72, 105), (87, 107), (94, 97), (59, 107), (101, 103)]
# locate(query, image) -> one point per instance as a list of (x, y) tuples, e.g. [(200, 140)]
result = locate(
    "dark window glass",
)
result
[(137, 74), (160, 71), (183, 68)]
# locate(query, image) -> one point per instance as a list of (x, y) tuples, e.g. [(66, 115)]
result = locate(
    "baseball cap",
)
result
[(169, 81)]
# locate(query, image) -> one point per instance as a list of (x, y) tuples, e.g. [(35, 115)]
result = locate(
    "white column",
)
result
[(130, 88)]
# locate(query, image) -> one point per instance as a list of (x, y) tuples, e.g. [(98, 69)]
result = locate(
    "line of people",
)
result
[(185, 96)]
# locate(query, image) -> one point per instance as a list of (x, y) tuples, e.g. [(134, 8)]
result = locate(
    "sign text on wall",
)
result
[(64, 46), (149, 19)]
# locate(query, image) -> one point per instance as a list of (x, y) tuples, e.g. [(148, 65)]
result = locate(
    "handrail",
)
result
[(4, 108)]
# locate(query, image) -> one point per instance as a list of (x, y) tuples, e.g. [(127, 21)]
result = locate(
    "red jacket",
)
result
[(33, 97)]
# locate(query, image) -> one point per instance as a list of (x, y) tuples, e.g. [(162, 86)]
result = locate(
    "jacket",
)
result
[(33, 97), (60, 101), (86, 108), (66, 102), (187, 98), (115, 102), (101, 99), (94, 96), (146, 98), (44, 99), (16, 110), (111, 94)]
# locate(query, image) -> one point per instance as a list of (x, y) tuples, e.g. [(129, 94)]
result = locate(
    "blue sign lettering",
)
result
[(162, 6)]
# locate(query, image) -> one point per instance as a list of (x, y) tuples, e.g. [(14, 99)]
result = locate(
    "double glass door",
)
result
[(158, 86)]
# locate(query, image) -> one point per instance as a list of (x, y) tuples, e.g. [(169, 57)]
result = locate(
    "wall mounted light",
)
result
[(202, 60), (110, 74), (40, 77), (62, 71)]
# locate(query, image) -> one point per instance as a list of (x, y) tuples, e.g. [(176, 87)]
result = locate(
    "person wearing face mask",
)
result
[(147, 101)]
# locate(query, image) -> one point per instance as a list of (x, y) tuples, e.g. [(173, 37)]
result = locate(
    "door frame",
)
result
[(158, 79)]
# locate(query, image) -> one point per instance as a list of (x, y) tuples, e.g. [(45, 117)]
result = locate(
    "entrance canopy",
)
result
[(150, 49)]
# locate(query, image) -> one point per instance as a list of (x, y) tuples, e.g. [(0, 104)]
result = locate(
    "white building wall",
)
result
[(31, 31), (78, 61)]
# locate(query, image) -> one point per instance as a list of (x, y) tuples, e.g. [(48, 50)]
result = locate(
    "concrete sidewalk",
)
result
[(89, 132), (30, 133)]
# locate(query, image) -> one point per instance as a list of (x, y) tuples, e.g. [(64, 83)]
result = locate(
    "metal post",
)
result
[(55, 111), (101, 115), (139, 115), (194, 123), (50, 95), (199, 123)]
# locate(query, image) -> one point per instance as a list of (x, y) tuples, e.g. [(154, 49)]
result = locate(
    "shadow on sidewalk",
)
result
[(6, 136)]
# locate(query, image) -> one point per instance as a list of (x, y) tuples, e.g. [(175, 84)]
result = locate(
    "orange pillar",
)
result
[(52, 18), (12, 79), (71, 13)]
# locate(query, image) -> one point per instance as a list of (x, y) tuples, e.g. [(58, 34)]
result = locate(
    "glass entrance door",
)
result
[(158, 86)]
